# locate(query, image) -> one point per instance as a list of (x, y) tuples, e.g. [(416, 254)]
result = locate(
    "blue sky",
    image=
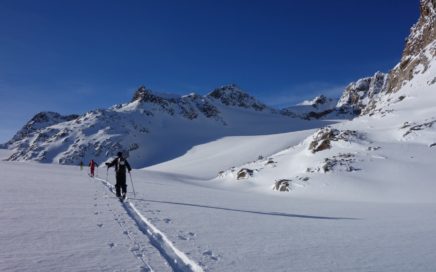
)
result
[(74, 56)]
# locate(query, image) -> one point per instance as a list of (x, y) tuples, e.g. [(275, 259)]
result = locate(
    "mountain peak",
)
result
[(232, 95), (317, 101), (142, 93)]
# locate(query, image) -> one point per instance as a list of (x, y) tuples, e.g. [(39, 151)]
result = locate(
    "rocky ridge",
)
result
[(38, 122), (419, 49), (369, 95), (149, 116)]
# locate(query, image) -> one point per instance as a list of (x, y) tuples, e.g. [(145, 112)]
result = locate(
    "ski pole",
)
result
[(134, 194), (107, 173)]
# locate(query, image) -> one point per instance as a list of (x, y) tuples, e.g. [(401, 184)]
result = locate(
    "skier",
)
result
[(121, 164), (92, 165), (81, 165)]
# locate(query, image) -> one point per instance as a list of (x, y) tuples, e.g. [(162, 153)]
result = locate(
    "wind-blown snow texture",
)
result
[(230, 194)]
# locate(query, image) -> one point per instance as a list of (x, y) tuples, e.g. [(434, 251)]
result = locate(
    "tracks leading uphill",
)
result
[(177, 259)]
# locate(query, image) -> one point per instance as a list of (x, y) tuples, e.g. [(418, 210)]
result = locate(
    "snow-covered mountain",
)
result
[(39, 122), (385, 153), (151, 128), (370, 95), (317, 108), (154, 128), (359, 94)]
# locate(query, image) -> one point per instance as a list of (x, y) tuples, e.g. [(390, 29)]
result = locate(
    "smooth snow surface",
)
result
[(205, 161), (59, 219)]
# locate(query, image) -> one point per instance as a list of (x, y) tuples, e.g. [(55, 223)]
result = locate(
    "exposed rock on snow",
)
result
[(322, 138), (341, 162), (282, 185), (244, 173), (414, 127), (270, 162), (287, 185)]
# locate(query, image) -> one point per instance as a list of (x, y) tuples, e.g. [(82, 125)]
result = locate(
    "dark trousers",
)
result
[(121, 185)]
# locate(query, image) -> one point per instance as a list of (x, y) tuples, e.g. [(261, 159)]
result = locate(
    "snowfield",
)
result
[(185, 218)]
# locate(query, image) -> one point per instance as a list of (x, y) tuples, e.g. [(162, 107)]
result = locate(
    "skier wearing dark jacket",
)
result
[(121, 165)]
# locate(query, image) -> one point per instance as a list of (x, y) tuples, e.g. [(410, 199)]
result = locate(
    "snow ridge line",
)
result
[(177, 259)]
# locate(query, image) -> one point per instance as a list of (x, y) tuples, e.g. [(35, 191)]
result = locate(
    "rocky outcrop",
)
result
[(363, 96), (322, 138), (342, 162), (192, 106), (358, 95), (282, 185), (414, 127), (244, 173), (422, 36), (232, 95), (189, 106)]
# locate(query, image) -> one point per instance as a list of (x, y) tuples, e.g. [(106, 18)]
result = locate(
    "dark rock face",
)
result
[(423, 33), (232, 95), (190, 106), (317, 108), (193, 105), (318, 115), (320, 100), (144, 95)]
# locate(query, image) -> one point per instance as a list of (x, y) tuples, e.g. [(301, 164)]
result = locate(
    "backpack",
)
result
[(121, 163)]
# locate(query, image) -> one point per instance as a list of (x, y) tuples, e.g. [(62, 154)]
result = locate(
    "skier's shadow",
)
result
[(252, 212)]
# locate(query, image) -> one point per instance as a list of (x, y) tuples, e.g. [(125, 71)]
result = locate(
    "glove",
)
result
[(107, 164)]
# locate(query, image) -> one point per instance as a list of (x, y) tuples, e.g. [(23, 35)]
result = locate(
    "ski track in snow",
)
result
[(136, 249), (177, 259)]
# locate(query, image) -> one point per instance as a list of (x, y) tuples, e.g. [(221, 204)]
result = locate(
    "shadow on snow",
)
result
[(290, 215)]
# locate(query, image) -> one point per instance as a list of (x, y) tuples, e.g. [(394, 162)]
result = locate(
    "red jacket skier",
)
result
[(92, 165)]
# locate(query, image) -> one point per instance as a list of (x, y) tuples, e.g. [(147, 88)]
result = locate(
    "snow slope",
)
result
[(207, 160), (59, 219)]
